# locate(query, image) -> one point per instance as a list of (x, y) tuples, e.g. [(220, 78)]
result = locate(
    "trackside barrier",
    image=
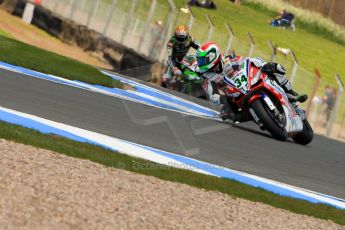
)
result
[(314, 91), (331, 121), (230, 39), (82, 6), (28, 12), (294, 68), (135, 27), (340, 132), (73, 6), (128, 21), (167, 29), (274, 50), (92, 13), (56, 4), (211, 29), (252, 44), (109, 17), (191, 19), (147, 23)]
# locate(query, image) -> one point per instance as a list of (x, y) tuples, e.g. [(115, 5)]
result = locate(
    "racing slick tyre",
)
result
[(306, 135), (268, 121)]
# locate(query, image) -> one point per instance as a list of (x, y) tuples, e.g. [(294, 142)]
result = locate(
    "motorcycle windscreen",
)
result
[(201, 61), (240, 79)]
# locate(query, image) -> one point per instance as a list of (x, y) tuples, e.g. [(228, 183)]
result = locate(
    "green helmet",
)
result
[(208, 55)]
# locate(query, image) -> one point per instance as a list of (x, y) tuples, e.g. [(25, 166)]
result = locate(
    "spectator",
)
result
[(284, 19), (194, 3), (209, 4)]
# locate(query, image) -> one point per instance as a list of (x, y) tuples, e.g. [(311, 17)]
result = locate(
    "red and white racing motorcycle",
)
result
[(259, 98)]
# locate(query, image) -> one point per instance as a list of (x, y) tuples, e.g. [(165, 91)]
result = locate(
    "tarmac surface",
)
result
[(319, 166)]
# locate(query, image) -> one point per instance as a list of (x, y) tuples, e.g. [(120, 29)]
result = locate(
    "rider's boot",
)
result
[(294, 96), (224, 112), (227, 113)]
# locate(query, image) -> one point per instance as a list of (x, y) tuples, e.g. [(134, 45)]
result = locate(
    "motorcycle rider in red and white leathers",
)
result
[(213, 68)]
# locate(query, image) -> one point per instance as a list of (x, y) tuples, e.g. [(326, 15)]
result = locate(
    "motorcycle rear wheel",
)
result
[(268, 121)]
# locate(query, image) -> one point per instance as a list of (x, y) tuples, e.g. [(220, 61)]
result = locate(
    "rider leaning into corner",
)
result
[(178, 46), (213, 68)]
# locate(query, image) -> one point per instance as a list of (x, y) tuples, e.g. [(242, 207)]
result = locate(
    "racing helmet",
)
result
[(181, 33), (208, 56)]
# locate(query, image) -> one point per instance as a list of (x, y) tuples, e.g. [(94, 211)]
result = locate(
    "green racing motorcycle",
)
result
[(189, 82)]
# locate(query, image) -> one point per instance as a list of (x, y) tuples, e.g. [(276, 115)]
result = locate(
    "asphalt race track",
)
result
[(319, 166)]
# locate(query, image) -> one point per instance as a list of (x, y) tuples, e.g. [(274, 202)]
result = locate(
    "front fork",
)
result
[(267, 100), (300, 111)]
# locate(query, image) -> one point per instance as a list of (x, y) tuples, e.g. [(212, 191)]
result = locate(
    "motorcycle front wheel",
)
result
[(268, 121), (306, 135)]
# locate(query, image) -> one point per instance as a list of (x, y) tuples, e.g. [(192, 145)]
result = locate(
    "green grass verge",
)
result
[(5, 34), (21, 54), (116, 160)]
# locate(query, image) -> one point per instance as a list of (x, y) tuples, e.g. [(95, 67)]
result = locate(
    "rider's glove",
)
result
[(271, 68), (177, 71), (215, 99)]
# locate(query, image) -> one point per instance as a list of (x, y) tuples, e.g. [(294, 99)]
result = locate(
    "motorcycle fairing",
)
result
[(294, 122), (240, 79)]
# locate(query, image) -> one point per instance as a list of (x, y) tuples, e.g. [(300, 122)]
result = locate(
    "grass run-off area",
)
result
[(24, 55), (4, 33), (112, 159)]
